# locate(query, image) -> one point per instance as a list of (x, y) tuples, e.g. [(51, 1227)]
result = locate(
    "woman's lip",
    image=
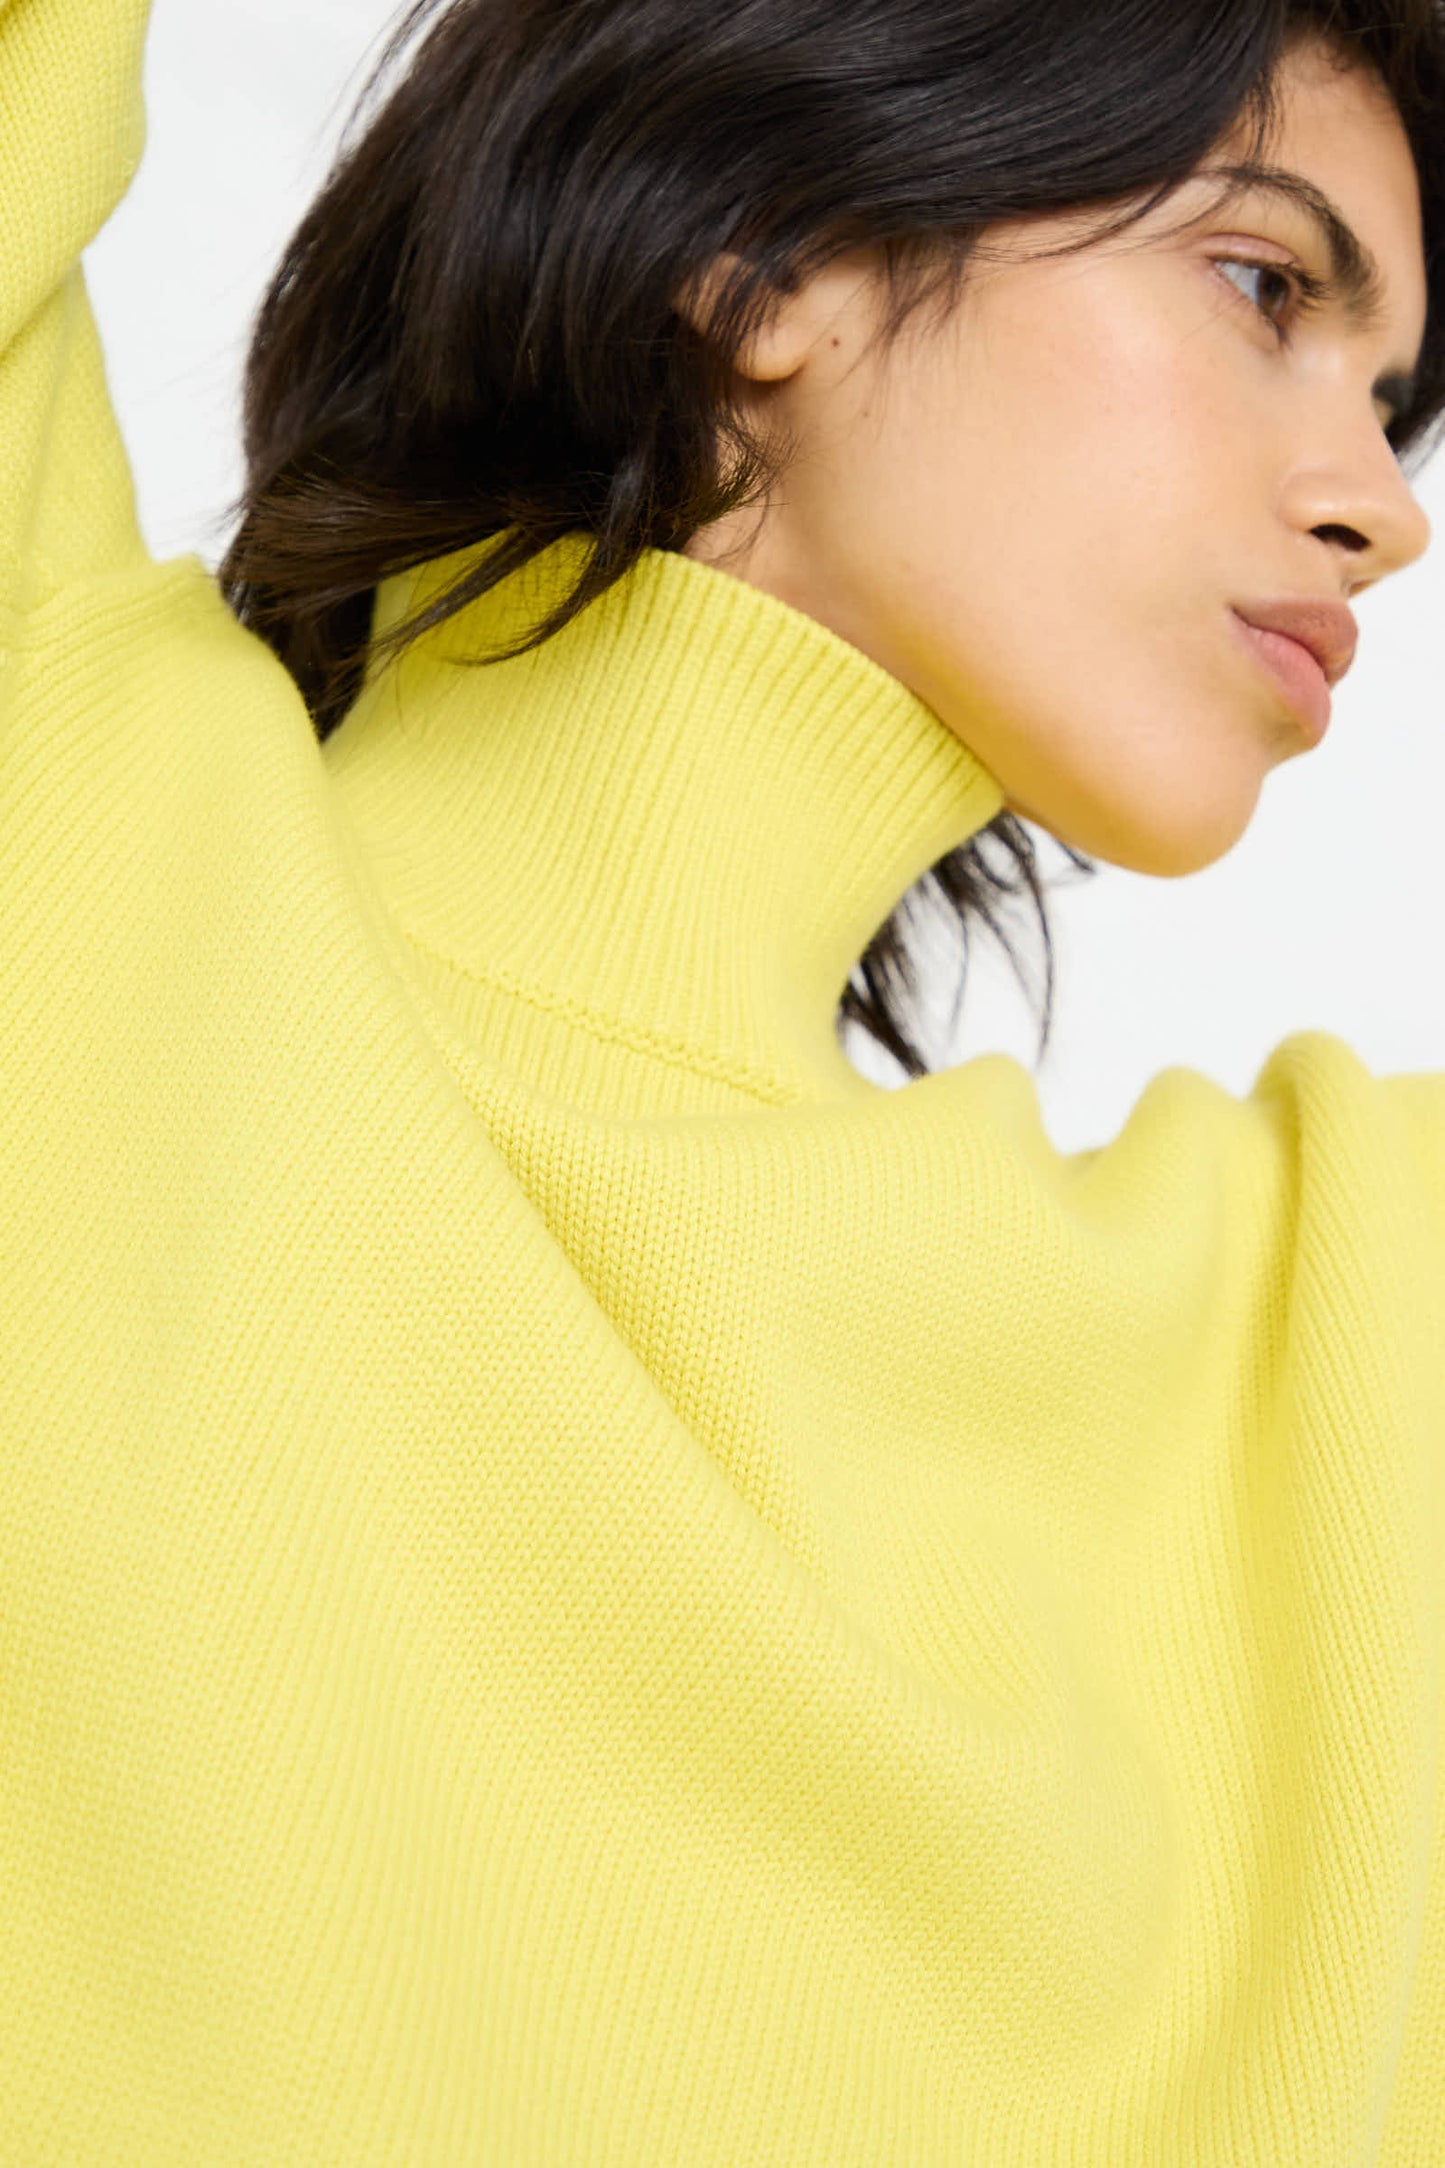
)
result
[(1296, 672)]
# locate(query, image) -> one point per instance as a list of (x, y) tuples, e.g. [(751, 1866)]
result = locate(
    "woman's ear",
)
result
[(778, 348)]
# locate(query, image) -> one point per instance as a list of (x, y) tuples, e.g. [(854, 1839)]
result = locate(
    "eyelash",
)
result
[(1308, 290)]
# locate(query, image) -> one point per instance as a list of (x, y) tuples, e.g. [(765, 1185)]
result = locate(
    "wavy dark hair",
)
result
[(472, 334)]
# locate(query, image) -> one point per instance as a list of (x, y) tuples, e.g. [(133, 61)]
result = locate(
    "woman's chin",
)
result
[(1168, 836)]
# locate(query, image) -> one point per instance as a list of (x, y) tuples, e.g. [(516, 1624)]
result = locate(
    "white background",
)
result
[(1328, 916)]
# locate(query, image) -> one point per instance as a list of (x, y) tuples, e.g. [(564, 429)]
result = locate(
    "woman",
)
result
[(580, 1583)]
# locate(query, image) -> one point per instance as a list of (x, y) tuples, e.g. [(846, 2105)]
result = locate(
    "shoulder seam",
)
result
[(715, 1066)]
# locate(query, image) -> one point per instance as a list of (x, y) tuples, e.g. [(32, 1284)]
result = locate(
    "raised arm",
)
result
[(72, 127)]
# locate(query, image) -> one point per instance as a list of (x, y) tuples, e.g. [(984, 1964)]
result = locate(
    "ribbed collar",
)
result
[(689, 812)]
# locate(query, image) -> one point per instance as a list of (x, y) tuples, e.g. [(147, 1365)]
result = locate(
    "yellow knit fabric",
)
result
[(580, 1587)]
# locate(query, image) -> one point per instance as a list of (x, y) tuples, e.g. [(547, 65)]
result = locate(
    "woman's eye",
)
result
[(1284, 278)]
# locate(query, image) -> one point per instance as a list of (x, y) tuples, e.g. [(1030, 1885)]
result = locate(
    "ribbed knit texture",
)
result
[(580, 1587)]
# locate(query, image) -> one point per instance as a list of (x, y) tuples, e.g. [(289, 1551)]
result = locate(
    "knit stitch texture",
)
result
[(580, 1586)]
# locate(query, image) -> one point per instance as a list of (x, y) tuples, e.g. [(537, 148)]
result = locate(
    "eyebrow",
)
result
[(1356, 279)]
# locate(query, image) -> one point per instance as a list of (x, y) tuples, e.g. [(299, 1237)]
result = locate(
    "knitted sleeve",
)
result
[(72, 128)]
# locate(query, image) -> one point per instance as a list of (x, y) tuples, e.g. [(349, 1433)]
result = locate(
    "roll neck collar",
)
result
[(689, 812)]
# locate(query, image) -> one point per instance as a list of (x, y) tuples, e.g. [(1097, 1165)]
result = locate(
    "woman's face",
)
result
[(1041, 513)]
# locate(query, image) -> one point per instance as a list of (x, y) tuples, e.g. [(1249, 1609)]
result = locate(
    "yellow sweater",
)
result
[(580, 1587)]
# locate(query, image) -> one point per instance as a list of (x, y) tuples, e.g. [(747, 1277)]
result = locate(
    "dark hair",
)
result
[(472, 334)]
